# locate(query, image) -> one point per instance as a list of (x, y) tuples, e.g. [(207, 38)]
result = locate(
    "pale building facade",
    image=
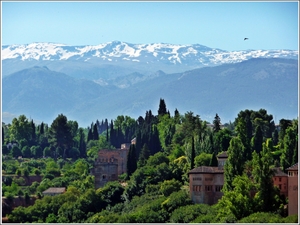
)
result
[(110, 164), (293, 189), (206, 182)]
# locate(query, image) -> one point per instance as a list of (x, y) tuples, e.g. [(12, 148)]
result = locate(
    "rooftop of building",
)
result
[(206, 169), (222, 155), (56, 190), (279, 172), (293, 167)]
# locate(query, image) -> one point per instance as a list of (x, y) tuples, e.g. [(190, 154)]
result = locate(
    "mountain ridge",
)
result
[(169, 58), (271, 84)]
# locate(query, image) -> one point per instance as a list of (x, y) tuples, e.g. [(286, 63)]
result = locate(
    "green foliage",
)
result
[(217, 123), (162, 110), (170, 186), (234, 165), (166, 130), (175, 200), (166, 148), (20, 129), (131, 160), (16, 152), (111, 193), (237, 202), (157, 159), (290, 146), (203, 159), (179, 168), (263, 173), (26, 153), (19, 181), (144, 155), (222, 139), (61, 133), (188, 213), (291, 219), (262, 217)]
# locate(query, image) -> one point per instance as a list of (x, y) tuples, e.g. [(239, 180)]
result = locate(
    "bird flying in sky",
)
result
[(245, 39)]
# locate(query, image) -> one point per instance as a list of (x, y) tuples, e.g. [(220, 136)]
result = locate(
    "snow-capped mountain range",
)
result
[(193, 56), (41, 80)]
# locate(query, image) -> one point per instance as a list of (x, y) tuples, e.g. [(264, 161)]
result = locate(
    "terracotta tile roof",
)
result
[(293, 167), (56, 190), (206, 169), (279, 172), (222, 155)]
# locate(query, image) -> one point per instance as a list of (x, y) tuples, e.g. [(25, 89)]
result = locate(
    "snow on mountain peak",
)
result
[(167, 53)]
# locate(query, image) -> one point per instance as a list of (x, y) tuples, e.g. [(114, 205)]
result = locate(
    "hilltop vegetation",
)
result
[(155, 187)]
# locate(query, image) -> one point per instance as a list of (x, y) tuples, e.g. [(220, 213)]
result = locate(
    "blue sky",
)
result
[(268, 25)]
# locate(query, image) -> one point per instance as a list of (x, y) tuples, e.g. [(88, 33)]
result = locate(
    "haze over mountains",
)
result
[(87, 83)]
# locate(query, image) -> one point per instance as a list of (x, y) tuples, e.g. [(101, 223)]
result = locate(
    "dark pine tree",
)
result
[(90, 135), (193, 154), (42, 128), (144, 155), (95, 132), (154, 142), (2, 136), (217, 123), (131, 161), (257, 140), (214, 160), (82, 144), (106, 124), (113, 136), (177, 116), (275, 137), (33, 134), (162, 110)]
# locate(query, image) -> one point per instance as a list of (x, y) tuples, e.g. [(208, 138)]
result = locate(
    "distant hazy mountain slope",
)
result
[(41, 93), (271, 84)]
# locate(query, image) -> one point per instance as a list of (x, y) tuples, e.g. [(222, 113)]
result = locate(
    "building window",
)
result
[(279, 186), (279, 179), (208, 187), (197, 188), (218, 188)]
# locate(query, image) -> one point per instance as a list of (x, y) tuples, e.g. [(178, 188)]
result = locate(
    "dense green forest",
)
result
[(155, 187)]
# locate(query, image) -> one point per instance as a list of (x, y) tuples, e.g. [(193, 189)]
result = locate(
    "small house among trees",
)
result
[(54, 191)]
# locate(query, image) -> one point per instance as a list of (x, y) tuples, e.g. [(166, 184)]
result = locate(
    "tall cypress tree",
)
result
[(257, 140), (106, 124), (217, 123), (33, 134), (42, 128), (131, 160), (144, 155), (235, 163), (113, 139), (82, 144), (263, 174), (162, 110), (193, 154), (90, 135), (2, 136), (95, 132)]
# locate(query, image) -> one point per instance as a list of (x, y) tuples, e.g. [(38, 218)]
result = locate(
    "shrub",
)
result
[(262, 217), (170, 186)]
